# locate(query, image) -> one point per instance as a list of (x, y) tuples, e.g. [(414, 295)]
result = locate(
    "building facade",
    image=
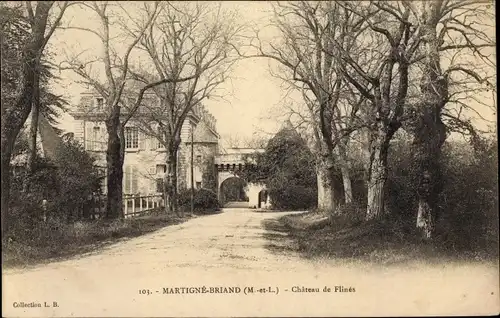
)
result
[(145, 156)]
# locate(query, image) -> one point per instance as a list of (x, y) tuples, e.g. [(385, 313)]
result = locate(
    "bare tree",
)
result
[(345, 122), (460, 29), (311, 34), (235, 140), (192, 41), (15, 115), (390, 41), (115, 84)]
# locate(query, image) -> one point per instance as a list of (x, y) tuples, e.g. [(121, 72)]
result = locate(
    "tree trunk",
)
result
[(35, 113), (377, 177), (14, 117), (426, 153), (346, 173), (327, 200), (166, 190), (175, 191), (428, 130), (170, 184), (167, 185), (114, 161), (33, 134), (346, 179)]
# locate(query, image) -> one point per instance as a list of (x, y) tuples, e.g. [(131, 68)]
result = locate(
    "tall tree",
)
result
[(460, 28), (113, 88), (390, 41), (189, 40), (311, 33), (286, 167), (15, 113)]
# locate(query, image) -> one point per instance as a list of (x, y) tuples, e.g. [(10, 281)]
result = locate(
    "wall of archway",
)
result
[(252, 190)]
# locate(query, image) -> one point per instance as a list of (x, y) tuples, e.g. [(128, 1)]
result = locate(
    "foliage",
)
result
[(468, 205), (64, 181), (293, 197), (205, 201), (287, 169), (56, 238), (78, 176), (469, 201), (15, 33), (208, 177), (466, 227)]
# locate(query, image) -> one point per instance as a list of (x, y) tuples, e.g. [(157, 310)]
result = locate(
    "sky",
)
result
[(254, 100), (252, 94)]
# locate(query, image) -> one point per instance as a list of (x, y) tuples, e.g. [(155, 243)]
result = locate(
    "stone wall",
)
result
[(204, 170)]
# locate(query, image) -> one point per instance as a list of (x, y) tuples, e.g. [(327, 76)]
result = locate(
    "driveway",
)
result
[(223, 255), (236, 204)]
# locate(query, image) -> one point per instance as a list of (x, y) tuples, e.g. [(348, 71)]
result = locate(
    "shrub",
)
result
[(467, 219), (204, 200), (469, 201), (64, 181), (293, 197)]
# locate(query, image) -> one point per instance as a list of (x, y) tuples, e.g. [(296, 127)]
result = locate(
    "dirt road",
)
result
[(224, 254)]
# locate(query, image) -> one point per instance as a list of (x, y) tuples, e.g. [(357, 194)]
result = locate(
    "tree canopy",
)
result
[(286, 161), (15, 33)]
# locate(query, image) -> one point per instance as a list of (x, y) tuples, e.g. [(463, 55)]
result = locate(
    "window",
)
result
[(159, 185), (96, 131), (161, 169), (130, 180), (198, 185), (99, 103), (131, 137)]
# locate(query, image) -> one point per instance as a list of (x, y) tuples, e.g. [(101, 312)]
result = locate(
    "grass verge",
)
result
[(54, 240), (385, 242)]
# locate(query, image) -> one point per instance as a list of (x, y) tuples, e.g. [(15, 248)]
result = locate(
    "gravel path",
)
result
[(230, 249)]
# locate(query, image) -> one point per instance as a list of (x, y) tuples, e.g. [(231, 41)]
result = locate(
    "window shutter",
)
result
[(149, 143), (126, 180), (197, 174), (134, 180), (89, 126), (152, 142), (152, 186), (142, 140)]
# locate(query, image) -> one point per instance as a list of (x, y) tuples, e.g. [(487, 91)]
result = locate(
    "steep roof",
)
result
[(48, 141), (203, 133)]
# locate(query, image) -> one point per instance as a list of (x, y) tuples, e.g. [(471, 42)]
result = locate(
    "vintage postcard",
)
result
[(249, 158)]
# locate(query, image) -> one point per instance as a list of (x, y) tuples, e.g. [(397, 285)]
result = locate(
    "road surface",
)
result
[(236, 204), (229, 251)]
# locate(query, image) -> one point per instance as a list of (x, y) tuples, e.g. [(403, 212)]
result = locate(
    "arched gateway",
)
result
[(229, 163)]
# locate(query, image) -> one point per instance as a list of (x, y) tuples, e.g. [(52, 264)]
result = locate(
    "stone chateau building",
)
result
[(144, 165)]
